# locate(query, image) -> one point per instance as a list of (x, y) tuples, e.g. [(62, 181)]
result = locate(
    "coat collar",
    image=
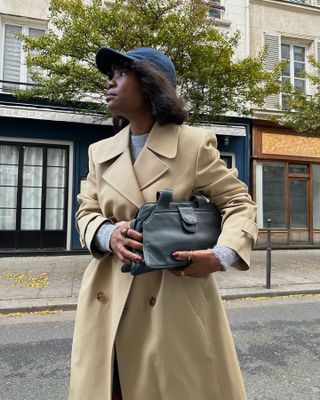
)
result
[(128, 179), (163, 140)]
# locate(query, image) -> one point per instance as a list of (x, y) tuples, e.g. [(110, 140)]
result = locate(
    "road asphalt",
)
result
[(40, 283)]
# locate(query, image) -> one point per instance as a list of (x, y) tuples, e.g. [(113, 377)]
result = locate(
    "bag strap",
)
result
[(199, 199), (164, 198)]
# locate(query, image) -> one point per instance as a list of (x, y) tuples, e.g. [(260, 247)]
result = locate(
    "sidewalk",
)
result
[(53, 282)]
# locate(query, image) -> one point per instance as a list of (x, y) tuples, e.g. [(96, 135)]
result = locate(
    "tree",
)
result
[(209, 79), (302, 111)]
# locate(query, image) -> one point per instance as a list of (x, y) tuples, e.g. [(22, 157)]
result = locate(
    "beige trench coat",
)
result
[(171, 334)]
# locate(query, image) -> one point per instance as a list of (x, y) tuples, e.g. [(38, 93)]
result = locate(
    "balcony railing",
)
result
[(8, 87), (301, 1), (315, 3)]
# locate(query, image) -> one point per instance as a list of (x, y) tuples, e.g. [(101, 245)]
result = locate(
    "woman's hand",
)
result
[(204, 262), (122, 239)]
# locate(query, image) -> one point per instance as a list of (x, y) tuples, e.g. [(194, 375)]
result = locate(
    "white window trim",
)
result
[(70, 176), (25, 25), (232, 155), (259, 195)]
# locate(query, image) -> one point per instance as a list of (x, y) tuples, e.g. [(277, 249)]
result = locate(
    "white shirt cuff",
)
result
[(225, 255)]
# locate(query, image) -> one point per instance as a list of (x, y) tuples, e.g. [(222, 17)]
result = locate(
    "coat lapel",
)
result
[(163, 142), (120, 175), (122, 178), (151, 164)]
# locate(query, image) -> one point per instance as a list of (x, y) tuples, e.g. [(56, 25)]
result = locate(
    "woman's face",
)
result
[(125, 96)]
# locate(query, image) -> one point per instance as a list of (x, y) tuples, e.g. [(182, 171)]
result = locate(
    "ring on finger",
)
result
[(124, 231), (189, 256)]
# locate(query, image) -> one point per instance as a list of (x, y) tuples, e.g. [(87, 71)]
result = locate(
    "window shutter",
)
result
[(272, 59), (318, 56), (12, 54)]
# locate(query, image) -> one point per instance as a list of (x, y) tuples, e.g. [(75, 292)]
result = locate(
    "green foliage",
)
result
[(303, 111), (209, 78)]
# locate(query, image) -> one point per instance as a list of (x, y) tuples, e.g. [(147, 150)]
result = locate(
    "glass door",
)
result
[(299, 216), (33, 196), (9, 167)]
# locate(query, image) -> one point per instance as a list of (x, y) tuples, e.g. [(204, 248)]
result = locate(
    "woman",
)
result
[(158, 336)]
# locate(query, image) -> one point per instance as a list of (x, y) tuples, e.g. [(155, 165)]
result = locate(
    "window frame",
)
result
[(216, 6), (6, 140), (288, 177), (292, 44), (25, 27), (230, 156)]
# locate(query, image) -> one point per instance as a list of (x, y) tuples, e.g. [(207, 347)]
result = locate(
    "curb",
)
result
[(61, 304), (19, 306), (271, 293)]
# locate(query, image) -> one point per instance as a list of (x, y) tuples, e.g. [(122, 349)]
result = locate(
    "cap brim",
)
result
[(106, 58)]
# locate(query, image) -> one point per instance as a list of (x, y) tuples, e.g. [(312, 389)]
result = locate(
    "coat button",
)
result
[(101, 296), (152, 301)]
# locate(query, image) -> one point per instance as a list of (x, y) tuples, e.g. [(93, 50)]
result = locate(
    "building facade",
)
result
[(233, 16), (234, 138), (286, 165), (43, 148)]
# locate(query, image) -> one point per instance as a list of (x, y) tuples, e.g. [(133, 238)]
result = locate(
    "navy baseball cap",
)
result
[(106, 58)]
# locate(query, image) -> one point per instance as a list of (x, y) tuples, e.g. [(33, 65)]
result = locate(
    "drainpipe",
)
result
[(247, 27)]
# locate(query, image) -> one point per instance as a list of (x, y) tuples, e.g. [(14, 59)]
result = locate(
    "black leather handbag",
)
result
[(167, 227)]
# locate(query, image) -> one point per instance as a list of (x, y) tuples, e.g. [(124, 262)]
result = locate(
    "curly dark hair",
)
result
[(166, 106)]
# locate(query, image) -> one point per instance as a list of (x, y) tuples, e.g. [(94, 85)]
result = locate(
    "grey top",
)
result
[(137, 143), (102, 238)]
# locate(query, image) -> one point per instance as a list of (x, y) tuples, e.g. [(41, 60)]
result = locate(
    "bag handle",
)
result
[(164, 198), (199, 199)]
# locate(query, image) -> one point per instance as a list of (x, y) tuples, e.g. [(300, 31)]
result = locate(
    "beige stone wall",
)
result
[(287, 19), (236, 18), (35, 9)]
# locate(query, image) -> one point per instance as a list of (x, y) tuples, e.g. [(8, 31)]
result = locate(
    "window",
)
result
[(229, 159), (271, 194), (295, 58), (14, 68), (283, 194), (216, 9), (33, 195)]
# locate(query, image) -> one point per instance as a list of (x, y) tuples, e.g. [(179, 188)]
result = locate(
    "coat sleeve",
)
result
[(89, 216), (230, 195)]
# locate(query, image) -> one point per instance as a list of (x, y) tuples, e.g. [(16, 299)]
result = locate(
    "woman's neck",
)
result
[(142, 124)]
